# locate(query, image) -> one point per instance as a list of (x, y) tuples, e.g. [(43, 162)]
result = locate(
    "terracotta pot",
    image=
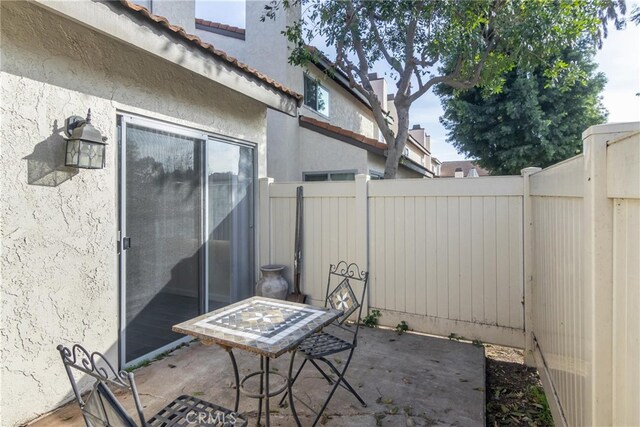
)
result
[(272, 284)]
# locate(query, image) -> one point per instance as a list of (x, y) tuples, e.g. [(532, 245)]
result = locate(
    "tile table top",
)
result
[(261, 325)]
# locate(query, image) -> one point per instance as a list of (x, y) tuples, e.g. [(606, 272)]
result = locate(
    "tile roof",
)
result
[(343, 132), (219, 54), (357, 139), (219, 26)]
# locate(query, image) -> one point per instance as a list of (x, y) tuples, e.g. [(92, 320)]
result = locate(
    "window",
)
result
[(375, 174), (329, 176), (316, 96)]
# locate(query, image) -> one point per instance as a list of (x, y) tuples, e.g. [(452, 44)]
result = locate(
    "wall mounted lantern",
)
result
[(86, 145)]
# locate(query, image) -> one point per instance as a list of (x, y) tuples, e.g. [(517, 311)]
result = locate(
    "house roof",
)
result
[(358, 140), (209, 48), (448, 169), (337, 74), (219, 26), (309, 123)]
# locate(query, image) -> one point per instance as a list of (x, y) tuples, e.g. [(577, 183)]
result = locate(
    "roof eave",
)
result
[(340, 78), (125, 28)]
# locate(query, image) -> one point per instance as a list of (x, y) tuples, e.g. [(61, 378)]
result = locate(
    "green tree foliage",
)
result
[(531, 122), (483, 38)]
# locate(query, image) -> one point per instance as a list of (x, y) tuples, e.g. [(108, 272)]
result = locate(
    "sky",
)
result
[(619, 59)]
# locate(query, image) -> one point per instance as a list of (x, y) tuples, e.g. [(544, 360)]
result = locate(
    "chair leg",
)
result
[(290, 382), (295, 377), (326, 402), (340, 379), (324, 374)]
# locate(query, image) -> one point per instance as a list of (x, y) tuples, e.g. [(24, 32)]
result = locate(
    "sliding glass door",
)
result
[(186, 224), (230, 225)]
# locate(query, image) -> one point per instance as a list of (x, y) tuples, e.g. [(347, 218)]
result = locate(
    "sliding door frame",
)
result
[(124, 118)]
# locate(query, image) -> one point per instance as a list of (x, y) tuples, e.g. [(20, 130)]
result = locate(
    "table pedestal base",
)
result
[(264, 392)]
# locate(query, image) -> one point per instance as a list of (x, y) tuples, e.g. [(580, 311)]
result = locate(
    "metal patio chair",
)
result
[(100, 407), (319, 346)]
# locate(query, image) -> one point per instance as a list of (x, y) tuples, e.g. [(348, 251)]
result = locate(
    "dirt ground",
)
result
[(514, 391)]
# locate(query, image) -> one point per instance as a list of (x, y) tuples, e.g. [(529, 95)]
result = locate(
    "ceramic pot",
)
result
[(272, 284)]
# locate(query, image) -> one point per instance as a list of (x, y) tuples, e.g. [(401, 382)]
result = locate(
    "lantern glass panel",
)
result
[(73, 152), (91, 155)]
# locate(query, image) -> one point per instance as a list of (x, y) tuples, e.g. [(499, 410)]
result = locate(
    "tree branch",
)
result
[(362, 72), (395, 64)]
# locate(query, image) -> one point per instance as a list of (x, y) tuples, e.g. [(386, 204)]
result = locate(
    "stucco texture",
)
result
[(322, 153), (59, 225)]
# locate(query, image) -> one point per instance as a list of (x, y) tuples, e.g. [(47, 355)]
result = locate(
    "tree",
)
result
[(530, 122), (482, 38)]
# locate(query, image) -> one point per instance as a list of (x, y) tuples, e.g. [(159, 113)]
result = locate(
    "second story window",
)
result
[(316, 96)]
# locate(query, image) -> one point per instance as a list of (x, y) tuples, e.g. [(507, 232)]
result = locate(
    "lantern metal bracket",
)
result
[(73, 122)]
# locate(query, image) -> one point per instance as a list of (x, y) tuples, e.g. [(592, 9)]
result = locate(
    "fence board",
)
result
[(559, 298), (432, 255), (626, 321), (466, 293), (436, 249)]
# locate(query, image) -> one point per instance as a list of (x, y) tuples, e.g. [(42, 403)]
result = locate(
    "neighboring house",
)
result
[(335, 136), (461, 169), (436, 166), (95, 255)]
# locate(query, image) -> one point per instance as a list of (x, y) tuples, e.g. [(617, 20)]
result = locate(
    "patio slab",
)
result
[(407, 380)]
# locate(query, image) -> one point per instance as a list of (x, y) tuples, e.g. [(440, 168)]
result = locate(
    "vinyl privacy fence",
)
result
[(548, 261), (585, 279), (444, 255)]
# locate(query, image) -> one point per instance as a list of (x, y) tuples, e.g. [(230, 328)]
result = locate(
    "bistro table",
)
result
[(266, 327)]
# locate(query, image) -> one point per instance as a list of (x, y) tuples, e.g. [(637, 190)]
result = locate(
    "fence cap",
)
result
[(530, 170)]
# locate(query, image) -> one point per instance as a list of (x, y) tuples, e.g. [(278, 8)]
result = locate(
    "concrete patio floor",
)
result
[(406, 380)]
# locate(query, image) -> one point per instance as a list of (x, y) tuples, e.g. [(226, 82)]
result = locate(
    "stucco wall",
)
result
[(376, 163), (59, 261), (232, 46), (321, 153), (182, 12), (344, 110)]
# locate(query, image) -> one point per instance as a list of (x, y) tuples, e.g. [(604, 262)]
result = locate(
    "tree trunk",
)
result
[(397, 144)]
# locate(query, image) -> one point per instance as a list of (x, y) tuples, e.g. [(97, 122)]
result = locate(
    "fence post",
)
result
[(598, 272), (528, 252), (362, 229), (264, 230)]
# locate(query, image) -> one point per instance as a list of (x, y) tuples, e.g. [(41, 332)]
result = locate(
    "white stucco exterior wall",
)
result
[(376, 163), (344, 110), (59, 263), (182, 12), (322, 153), (232, 46)]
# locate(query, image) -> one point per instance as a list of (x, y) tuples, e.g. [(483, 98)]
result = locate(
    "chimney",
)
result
[(418, 133), (379, 85)]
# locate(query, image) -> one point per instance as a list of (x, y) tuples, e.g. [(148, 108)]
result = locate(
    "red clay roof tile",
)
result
[(344, 132), (219, 54)]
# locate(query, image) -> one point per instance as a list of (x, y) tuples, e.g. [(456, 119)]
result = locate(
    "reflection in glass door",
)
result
[(186, 230), (230, 223), (162, 235)]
